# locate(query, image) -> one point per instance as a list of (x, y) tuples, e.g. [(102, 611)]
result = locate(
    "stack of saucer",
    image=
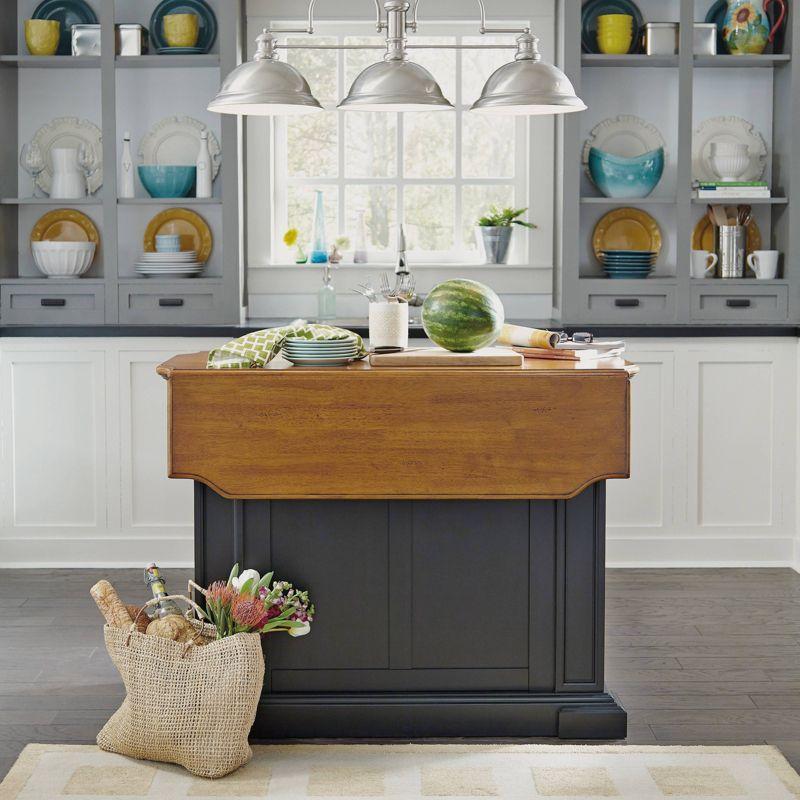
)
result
[(172, 265), (627, 264), (319, 353)]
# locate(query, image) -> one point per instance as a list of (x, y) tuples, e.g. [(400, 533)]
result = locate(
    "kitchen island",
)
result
[(449, 523)]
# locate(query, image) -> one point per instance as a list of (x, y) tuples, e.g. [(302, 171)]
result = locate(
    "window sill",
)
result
[(375, 265)]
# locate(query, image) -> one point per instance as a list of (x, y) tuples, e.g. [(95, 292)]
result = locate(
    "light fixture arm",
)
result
[(382, 24)]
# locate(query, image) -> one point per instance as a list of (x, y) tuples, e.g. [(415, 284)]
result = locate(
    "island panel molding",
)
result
[(547, 430)]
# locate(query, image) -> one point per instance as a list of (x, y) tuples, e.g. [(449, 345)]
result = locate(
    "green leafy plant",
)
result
[(505, 218)]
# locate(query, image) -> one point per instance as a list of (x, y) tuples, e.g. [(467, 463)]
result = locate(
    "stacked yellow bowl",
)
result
[(614, 33)]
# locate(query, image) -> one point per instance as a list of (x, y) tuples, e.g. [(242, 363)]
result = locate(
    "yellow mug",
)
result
[(181, 30), (42, 36)]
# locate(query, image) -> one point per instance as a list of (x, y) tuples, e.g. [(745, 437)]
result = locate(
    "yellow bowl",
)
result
[(181, 30), (42, 36), (613, 28), (614, 44), (605, 19)]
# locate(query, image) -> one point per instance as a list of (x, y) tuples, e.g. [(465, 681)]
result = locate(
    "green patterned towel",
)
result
[(259, 348)]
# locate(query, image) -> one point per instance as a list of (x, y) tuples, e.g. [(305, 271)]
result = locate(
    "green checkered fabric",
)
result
[(258, 349)]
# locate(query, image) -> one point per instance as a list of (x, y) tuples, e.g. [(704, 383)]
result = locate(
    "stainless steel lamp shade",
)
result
[(528, 86), (265, 86), (395, 86)]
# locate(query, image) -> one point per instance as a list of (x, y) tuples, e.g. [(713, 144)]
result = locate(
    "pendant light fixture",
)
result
[(395, 84), (265, 86), (527, 85)]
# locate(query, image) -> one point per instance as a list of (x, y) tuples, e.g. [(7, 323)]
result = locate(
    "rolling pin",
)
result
[(520, 336)]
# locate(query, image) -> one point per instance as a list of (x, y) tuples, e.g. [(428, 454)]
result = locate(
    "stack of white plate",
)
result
[(172, 265), (321, 353)]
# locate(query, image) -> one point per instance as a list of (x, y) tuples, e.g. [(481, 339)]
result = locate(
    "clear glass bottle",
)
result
[(319, 242), (153, 579), (326, 297), (360, 252)]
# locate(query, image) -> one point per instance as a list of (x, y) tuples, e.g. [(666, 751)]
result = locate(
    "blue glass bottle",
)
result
[(319, 246)]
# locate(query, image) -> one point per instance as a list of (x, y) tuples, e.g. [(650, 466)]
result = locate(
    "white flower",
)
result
[(301, 630), (244, 577)]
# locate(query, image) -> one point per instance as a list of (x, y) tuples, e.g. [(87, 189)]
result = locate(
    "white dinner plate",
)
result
[(625, 136)]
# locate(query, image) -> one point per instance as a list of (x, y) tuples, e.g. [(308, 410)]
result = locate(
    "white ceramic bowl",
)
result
[(63, 259), (730, 167)]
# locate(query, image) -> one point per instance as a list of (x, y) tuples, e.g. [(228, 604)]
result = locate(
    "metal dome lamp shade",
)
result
[(265, 86), (528, 86), (395, 84)]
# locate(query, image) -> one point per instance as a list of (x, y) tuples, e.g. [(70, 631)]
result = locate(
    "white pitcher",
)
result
[(69, 180)]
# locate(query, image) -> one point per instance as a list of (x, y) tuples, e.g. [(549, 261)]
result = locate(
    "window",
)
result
[(436, 172)]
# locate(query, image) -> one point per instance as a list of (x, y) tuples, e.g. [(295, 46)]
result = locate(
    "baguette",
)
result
[(111, 607)]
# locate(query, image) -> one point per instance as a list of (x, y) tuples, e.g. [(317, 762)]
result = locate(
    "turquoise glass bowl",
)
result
[(626, 178), (168, 181)]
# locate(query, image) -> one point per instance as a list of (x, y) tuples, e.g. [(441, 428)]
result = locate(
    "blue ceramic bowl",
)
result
[(626, 178), (168, 181)]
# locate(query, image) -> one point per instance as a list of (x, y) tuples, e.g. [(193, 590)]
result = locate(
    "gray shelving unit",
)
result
[(687, 86), (113, 91)]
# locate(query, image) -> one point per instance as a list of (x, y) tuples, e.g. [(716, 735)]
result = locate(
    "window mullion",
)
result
[(458, 242)]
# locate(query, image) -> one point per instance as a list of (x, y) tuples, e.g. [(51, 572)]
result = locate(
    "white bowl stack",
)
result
[(63, 259), (169, 265)]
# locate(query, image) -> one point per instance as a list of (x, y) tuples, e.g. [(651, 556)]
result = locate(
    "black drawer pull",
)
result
[(170, 301), (740, 302), (53, 301), (626, 302)]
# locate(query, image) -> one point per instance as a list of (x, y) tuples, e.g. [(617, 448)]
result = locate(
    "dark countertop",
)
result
[(416, 332)]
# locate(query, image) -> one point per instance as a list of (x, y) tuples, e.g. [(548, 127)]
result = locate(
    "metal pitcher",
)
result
[(732, 251)]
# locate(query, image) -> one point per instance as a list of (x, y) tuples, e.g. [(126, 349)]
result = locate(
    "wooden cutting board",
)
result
[(439, 357)]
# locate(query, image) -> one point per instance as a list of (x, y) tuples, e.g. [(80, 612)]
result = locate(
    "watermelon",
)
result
[(462, 316)]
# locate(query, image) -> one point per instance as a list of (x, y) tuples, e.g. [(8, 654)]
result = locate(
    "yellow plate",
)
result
[(703, 236), (65, 225), (192, 228), (626, 229)]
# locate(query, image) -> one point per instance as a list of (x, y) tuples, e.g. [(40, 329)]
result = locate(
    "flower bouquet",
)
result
[(249, 603)]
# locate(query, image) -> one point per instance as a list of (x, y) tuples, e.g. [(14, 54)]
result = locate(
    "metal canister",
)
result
[(732, 250), (131, 39), (86, 40), (705, 39), (661, 38)]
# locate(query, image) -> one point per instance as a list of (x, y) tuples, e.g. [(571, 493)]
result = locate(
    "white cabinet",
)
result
[(83, 456), (713, 438)]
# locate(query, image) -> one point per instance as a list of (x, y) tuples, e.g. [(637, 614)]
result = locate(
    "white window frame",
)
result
[(534, 161)]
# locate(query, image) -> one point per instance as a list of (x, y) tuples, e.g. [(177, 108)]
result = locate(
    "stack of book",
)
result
[(590, 355), (726, 190)]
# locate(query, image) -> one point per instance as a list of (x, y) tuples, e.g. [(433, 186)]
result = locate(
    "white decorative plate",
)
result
[(176, 141), (626, 136), (727, 129), (69, 132)]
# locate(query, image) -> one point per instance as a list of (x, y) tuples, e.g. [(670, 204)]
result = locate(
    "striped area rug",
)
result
[(293, 772)]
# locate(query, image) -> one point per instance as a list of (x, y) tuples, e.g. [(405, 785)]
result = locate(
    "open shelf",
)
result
[(735, 201), (41, 62), (629, 201), (742, 62), (169, 201), (634, 60), (50, 201), (182, 61)]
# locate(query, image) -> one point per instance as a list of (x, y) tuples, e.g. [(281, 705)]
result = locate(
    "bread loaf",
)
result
[(111, 607)]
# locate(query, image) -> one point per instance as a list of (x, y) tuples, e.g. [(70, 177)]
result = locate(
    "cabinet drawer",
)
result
[(630, 305), (740, 303), (50, 302), (170, 304)]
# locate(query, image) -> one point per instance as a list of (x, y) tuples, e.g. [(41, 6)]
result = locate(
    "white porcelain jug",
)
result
[(69, 180)]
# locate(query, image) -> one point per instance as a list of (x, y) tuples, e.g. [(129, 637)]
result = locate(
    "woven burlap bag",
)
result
[(185, 704)]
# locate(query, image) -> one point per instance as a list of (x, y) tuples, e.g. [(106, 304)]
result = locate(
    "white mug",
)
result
[(703, 263), (764, 263)]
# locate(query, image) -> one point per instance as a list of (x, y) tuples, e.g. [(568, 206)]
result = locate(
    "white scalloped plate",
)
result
[(727, 129), (626, 136), (176, 141), (69, 132)]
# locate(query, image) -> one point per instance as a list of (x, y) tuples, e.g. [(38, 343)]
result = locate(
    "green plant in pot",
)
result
[(497, 228)]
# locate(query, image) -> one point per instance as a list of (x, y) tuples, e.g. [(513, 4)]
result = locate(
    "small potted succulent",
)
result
[(496, 229)]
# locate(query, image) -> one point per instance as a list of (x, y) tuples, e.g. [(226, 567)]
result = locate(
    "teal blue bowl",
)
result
[(626, 178), (168, 181)]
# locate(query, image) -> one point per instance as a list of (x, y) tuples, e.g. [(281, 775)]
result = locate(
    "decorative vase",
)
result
[(300, 256), (319, 242), (205, 181), (127, 184), (746, 30), (69, 181), (326, 297), (496, 242)]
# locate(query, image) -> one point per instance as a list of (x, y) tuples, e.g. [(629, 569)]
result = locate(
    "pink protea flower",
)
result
[(221, 593), (248, 612)]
